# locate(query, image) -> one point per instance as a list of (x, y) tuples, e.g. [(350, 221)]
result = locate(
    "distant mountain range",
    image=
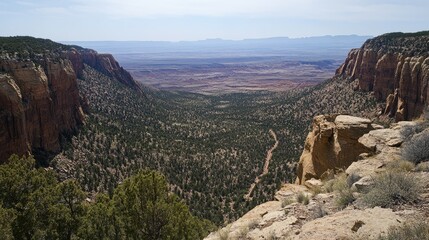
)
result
[(247, 47)]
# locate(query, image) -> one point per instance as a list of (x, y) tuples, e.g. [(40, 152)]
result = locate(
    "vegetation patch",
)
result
[(302, 198), (417, 149), (342, 186), (409, 231), (392, 188), (34, 205)]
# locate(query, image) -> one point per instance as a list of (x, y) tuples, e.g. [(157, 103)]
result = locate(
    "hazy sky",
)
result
[(68, 20)]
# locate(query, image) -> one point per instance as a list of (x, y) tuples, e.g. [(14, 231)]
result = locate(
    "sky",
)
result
[(178, 20)]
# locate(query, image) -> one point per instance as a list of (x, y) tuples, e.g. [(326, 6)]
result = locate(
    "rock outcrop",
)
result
[(396, 68), (332, 144), (320, 217), (39, 96), (105, 63)]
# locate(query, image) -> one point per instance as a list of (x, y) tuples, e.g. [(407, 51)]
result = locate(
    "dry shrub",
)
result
[(392, 188)]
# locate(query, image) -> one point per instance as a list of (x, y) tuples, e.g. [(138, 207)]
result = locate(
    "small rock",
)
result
[(313, 184), (358, 224), (363, 183)]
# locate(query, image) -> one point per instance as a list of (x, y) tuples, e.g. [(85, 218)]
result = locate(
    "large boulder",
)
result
[(332, 144)]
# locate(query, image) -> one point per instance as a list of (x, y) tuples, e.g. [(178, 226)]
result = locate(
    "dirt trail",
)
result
[(266, 165)]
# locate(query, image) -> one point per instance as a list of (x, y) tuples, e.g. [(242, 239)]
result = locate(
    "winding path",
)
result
[(266, 165)]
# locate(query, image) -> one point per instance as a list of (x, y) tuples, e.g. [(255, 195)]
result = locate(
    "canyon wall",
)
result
[(39, 97), (395, 67), (39, 100)]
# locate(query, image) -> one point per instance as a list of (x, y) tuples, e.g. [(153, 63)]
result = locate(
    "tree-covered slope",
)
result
[(210, 148)]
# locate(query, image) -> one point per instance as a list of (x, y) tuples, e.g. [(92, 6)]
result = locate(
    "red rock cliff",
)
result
[(39, 95), (396, 68), (38, 101)]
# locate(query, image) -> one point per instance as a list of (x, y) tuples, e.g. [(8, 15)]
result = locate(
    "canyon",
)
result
[(85, 116)]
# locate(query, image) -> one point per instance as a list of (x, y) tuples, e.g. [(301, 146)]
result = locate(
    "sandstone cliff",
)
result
[(395, 67), (332, 144), (39, 96)]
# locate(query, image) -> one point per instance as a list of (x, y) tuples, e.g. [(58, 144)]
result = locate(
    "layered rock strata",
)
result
[(396, 68), (39, 96), (38, 101)]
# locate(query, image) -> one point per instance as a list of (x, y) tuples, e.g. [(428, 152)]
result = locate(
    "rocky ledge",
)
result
[(332, 144), (315, 209)]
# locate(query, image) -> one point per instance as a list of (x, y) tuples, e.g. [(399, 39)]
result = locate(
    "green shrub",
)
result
[(410, 231), (344, 198), (392, 188), (342, 186), (302, 198), (417, 149)]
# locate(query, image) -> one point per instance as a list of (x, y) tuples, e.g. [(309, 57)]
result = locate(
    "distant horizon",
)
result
[(221, 39), (193, 20)]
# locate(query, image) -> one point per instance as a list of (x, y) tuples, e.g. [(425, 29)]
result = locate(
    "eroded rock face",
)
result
[(105, 63), (332, 144), (39, 97), (38, 101), (396, 69)]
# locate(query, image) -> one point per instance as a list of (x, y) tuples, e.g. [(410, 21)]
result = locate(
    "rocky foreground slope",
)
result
[(395, 67), (319, 209), (39, 97)]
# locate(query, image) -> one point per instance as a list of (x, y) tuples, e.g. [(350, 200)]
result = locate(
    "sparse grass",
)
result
[(417, 149), (302, 198), (316, 190), (340, 182), (409, 231), (422, 167), (287, 201), (392, 188), (329, 186), (344, 198), (224, 233), (243, 233), (342, 186), (400, 165)]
